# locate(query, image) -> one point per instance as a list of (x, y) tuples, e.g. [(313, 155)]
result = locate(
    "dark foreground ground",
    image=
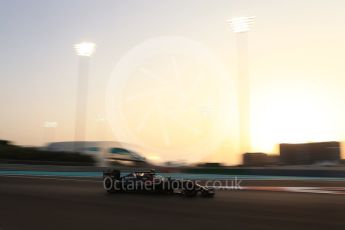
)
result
[(29, 203)]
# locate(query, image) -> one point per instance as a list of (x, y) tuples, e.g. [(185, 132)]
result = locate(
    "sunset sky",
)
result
[(296, 66)]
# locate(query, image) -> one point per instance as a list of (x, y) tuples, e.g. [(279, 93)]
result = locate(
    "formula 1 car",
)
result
[(148, 181)]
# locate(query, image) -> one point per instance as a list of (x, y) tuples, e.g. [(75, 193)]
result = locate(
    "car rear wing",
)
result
[(113, 173), (152, 171)]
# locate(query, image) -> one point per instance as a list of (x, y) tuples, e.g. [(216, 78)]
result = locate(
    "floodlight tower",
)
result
[(84, 51), (49, 131), (241, 26)]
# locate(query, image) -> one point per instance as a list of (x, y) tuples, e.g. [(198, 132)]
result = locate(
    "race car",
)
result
[(148, 181)]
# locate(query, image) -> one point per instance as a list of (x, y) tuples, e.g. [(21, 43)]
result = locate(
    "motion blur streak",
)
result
[(84, 205)]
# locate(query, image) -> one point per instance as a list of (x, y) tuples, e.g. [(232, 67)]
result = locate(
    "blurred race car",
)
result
[(148, 181)]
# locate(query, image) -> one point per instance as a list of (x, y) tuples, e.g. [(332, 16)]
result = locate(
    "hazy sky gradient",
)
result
[(297, 57)]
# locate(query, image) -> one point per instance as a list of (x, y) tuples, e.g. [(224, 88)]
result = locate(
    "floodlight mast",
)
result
[(84, 50), (49, 131), (241, 26)]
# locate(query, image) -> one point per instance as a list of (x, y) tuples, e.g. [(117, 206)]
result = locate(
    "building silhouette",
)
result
[(309, 153), (297, 154)]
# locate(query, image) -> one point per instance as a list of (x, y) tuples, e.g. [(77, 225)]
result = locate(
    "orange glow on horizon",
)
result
[(297, 112)]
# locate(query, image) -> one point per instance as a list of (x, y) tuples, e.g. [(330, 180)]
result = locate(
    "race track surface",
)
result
[(68, 203)]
